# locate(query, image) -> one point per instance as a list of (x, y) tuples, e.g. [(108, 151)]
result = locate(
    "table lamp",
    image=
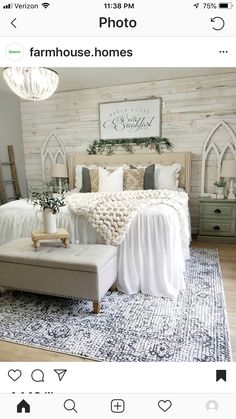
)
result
[(228, 170), (59, 171)]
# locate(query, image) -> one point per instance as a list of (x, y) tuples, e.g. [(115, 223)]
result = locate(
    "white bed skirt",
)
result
[(151, 259)]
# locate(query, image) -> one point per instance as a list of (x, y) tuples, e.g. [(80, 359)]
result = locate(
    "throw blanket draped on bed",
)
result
[(111, 213)]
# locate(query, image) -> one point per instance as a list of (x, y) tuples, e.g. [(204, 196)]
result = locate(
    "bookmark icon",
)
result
[(221, 375)]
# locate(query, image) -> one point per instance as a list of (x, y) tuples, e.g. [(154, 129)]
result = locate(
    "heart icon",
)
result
[(164, 405), (14, 374)]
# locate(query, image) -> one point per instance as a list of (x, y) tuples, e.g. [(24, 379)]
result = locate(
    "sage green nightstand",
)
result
[(217, 220)]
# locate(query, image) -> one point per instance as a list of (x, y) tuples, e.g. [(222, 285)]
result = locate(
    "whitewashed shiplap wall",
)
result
[(191, 108)]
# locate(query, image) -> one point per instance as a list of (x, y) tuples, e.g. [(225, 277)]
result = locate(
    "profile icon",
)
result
[(212, 405)]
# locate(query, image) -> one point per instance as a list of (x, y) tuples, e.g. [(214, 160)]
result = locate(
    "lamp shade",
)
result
[(228, 168), (59, 170), (31, 83)]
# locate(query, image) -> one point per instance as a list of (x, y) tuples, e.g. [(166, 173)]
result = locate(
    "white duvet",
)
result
[(151, 258)]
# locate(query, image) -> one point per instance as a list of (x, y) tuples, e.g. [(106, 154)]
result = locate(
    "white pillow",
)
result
[(78, 177), (110, 182), (166, 177)]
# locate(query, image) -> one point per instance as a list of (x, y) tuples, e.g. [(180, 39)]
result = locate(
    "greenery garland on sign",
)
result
[(159, 144)]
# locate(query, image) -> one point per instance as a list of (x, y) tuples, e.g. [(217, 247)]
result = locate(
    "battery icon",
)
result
[(225, 5)]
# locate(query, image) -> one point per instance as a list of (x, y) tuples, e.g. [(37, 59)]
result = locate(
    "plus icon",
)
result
[(117, 406)]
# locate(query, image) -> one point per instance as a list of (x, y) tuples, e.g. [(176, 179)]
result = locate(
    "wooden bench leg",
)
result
[(113, 287), (96, 307), (36, 244), (65, 242)]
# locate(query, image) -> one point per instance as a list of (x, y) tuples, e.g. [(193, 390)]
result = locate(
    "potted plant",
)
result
[(220, 186), (50, 204)]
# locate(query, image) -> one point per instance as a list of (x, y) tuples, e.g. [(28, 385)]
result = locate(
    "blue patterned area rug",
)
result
[(192, 327)]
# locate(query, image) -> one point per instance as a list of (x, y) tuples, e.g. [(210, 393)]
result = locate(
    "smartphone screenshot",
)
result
[(118, 209)]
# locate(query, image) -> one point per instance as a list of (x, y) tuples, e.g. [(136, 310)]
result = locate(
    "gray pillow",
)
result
[(148, 182), (86, 181)]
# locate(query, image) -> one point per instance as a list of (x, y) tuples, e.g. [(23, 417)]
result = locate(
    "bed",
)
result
[(151, 257)]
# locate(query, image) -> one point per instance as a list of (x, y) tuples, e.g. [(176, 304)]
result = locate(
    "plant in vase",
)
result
[(220, 187), (50, 204)]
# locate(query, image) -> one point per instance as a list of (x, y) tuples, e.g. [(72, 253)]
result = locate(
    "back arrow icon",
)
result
[(12, 22), (213, 19)]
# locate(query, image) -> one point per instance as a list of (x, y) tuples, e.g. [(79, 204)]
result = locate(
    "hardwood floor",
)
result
[(227, 254), (21, 353)]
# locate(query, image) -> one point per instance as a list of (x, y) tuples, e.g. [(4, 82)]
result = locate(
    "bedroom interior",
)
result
[(136, 168)]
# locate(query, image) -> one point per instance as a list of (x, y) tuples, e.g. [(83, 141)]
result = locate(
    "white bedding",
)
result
[(151, 258), (18, 219), (111, 213)]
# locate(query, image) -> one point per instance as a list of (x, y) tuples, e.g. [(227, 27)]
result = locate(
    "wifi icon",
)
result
[(45, 5)]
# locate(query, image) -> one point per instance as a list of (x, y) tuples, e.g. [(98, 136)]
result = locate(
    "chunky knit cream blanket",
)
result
[(111, 213)]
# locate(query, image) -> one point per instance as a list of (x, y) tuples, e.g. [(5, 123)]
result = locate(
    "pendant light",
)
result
[(31, 83)]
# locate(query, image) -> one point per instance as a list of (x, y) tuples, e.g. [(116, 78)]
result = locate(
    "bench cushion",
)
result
[(80, 271), (87, 258)]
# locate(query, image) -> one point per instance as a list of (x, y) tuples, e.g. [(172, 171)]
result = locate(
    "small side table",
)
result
[(61, 234), (217, 220)]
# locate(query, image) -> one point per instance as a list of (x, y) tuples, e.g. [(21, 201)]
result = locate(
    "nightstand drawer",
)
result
[(217, 227), (217, 210)]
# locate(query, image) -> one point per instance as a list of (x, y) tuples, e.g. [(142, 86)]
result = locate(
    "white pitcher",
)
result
[(49, 221)]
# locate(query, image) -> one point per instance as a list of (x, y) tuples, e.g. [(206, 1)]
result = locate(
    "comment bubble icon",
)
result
[(37, 376)]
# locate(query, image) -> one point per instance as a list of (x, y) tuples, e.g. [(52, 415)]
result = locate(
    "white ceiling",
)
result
[(85, 78)]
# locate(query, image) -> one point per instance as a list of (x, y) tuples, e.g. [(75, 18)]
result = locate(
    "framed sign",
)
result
[(130, 119)]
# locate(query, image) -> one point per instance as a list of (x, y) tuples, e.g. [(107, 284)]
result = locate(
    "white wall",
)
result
[(11, 134), (191, 108)]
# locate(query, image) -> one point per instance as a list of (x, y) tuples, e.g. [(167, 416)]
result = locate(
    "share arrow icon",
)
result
[(60, 373)]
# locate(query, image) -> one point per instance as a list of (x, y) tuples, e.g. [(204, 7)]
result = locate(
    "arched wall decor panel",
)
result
[(53, 151), (220, 152)]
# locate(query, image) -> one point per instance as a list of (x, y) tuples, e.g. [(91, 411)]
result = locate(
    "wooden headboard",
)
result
[(144, 159)]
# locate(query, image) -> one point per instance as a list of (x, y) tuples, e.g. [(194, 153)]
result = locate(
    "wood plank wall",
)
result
[(191, 108)]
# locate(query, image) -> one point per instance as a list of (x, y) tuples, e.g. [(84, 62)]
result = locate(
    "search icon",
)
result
[(69, 405)]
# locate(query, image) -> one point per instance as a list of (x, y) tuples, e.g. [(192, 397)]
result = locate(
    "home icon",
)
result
[(23, 407)]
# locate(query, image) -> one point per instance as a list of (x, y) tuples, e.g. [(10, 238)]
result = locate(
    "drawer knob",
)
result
[(217, 211), (217, 228)]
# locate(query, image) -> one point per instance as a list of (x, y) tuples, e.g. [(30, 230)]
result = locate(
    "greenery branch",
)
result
[(159, 144), (47, 198), (220, 184)]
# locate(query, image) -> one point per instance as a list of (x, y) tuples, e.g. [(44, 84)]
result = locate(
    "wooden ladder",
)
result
[(14, 178)]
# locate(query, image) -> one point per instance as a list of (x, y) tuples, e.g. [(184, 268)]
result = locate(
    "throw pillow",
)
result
[(166, 177), (133, 179), (148, 182), (86, 182), (94, 176), (110, 182), (82, 177)]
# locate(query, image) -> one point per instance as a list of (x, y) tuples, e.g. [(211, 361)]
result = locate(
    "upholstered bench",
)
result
[(80, 271)]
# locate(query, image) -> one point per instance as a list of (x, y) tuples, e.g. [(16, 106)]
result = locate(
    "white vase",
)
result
[(49, 221), (220, 192)]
